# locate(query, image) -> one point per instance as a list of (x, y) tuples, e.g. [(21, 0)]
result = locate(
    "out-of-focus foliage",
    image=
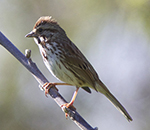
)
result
[(114, 36)]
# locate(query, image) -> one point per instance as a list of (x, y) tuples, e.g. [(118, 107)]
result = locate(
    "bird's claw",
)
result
[(47, 86), (65, 107)]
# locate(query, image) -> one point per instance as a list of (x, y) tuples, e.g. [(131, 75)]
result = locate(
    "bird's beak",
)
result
[(31, 34)]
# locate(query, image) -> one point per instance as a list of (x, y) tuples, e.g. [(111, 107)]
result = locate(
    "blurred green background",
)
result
[(114, 36)]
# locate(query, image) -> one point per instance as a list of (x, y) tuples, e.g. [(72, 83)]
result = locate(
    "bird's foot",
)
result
[(68, 105), (47, 87)]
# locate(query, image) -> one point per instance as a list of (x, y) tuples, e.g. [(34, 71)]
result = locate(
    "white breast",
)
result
[(55, 66)]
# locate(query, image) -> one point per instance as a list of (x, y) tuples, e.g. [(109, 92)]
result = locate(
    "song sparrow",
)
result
[(66, 62)]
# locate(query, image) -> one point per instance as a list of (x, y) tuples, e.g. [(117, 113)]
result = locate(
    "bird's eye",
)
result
[(40, 29)]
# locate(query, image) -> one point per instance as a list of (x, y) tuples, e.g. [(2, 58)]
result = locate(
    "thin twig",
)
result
[(27, 62)]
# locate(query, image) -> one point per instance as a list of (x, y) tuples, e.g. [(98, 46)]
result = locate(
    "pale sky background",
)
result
[(112, 34)]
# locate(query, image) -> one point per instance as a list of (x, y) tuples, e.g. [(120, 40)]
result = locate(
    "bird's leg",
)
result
[(72, 100), (47, 86), (70, 104)]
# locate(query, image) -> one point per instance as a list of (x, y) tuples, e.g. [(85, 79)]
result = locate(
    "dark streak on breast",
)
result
[(54, 48), (52, 51), (38, 39), (59, 66), (44, 56)]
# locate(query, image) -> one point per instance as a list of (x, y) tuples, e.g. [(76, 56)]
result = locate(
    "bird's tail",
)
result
[(114, 101)]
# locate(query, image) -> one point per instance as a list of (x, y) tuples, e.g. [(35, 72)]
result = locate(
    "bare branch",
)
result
[(27, 62)]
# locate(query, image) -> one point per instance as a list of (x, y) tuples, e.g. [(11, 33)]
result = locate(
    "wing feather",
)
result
[(77, 63)]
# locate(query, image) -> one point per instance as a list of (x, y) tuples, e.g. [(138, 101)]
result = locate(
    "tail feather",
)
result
[(118, 105), (103, 89)]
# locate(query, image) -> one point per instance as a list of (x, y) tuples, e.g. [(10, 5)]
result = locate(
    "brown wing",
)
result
[(79, 65)]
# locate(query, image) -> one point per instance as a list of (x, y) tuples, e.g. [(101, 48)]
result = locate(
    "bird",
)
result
[(67, 63)]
